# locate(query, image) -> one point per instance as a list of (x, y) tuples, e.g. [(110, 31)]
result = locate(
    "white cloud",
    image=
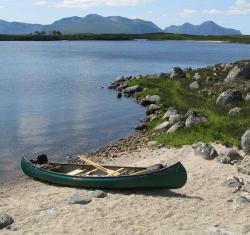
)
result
[(92, 3), (40, 3), (240, 7), (188, 13), (212, 12)]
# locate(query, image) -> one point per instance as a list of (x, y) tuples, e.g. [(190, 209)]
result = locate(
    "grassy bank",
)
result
[(221, 127), (152, 36)]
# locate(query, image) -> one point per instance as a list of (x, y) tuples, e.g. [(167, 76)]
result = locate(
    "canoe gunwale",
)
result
[(165, 169)]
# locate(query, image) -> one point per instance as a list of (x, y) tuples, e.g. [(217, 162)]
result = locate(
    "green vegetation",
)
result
[(42, 36), (221, 127)]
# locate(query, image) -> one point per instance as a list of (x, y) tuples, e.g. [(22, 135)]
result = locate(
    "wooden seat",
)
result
[(75, 172)]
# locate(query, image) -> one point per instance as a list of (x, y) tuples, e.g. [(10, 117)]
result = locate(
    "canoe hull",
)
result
[(172, 177)]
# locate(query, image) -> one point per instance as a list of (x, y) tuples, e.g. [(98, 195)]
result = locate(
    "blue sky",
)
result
[(229, 13)]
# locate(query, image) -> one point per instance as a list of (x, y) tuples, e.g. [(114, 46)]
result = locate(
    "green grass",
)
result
[(220, 127)]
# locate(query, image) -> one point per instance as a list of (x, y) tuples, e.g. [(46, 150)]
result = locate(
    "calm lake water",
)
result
[(51, 96)]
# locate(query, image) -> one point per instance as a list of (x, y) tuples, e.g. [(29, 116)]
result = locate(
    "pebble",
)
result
[(218, 231), (240, 200), (98, 194), (5, 220), (76, 198)]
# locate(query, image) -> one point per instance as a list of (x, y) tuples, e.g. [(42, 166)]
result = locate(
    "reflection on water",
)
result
[(51, 96)]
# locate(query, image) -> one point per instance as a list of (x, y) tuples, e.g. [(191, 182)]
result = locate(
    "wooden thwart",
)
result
[(109, 172)]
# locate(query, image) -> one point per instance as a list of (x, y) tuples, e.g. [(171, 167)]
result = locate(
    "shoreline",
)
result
[(216, 196)]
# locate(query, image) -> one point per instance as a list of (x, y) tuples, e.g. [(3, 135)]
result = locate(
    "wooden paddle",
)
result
[(99, 167)]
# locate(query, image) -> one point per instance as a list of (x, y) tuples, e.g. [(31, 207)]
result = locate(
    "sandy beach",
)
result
[(40, 208)]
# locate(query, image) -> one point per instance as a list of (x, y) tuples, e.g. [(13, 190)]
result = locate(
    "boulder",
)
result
[(235, 111), (154, 99), (163, 126), (239, 71), (194, 118), (151, 117), (247, 98), (194, 85), (218, 231), (141, 127), (206, 151), (174, 118), (5, 220), (177, 73), (76, 198), (228, 157), (229, 97), (176, 127), (171, 111), (152, 109), (132, 89), (245, 141)]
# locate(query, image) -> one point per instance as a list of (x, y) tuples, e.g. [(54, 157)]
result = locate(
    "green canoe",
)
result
[(86, 176)]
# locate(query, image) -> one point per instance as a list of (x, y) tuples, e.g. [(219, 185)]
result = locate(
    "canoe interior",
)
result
[(86, 170)]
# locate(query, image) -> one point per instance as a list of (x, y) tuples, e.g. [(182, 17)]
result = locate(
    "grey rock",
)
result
[(151, 117), (194, 118), (197, 76), (218, 231), (206, 151), (245, 187), (244, 168), (119, 95), (141, 126), (98, 194), (240, 200), (247, 98), (154, 99), (163, 126), (228, 157), (235, 111), (177, 73), (5, 220), (132, 89), (239, 71), (176, 127), (152, 109), (194, 85), (245, 141), (152, 143), (174, 118), (76, 198), (232, 182), (171, 111), (228, 97)]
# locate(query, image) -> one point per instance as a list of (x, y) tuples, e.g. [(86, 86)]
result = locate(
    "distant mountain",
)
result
[(18, 28), (206, 28), (93, 24), (97, 24)]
